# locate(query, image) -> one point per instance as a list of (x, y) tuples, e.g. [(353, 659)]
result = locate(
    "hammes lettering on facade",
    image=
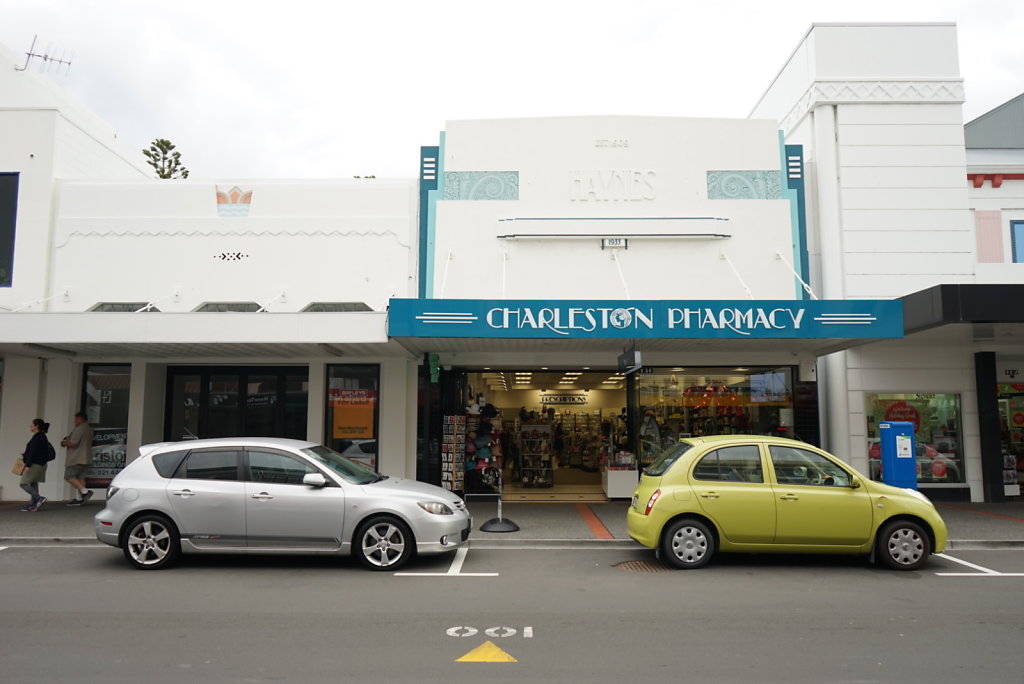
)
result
[(612, 185)]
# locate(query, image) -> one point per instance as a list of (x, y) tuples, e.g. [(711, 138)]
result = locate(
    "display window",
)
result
[(353, 406), (236, 401), (936, 419), (675, 403), (106, 391)]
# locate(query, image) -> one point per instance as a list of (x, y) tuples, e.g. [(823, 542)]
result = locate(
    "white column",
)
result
[(392, 442), (316, 402), (146, 400)]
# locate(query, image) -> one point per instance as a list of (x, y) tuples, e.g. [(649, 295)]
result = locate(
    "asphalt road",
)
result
[(80, 614)]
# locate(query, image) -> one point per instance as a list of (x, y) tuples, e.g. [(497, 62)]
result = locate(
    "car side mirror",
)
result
[(314, 480), (854, 483)]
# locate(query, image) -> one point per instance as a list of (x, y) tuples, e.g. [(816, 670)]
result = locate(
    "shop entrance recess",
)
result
[(548, 434), (236, 401)]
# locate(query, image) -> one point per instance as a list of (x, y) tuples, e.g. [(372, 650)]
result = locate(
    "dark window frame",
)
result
[(10, 182), (328, 436), (206, 372)]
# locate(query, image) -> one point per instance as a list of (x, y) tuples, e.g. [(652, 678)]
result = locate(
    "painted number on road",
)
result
[(499, 632)]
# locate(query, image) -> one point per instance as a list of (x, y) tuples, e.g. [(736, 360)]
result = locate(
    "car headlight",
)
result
[(435, 507), (112, 490)]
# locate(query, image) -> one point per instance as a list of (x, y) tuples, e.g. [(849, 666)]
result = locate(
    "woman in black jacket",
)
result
[(36, 456)]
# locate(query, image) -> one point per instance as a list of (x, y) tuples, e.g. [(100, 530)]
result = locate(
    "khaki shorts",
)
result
[(76, 472), (34, 473)]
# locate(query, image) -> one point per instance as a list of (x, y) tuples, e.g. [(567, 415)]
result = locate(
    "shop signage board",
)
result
[(563, 398), (647, 319)]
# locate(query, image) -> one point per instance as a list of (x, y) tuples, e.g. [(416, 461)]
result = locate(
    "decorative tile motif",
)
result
[(744, 185), (233, 203), (481, 185)]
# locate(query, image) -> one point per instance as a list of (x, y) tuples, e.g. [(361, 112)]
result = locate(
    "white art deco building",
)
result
[(845, 256)]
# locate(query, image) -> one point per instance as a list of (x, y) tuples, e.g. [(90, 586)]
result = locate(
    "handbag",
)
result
[(19, 466)]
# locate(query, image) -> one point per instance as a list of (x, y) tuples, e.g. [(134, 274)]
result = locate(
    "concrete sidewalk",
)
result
[(970, 525)]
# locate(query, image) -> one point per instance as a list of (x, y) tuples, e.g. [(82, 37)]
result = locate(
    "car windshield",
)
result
[(667, 458), (351, 471)]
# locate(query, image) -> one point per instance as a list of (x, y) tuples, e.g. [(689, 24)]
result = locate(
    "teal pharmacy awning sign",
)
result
[(650, 319)]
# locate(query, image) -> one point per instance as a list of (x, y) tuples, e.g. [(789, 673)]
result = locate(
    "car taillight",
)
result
[(653, 500)]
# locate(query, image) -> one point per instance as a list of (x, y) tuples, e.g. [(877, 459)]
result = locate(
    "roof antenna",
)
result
[(47, 59)]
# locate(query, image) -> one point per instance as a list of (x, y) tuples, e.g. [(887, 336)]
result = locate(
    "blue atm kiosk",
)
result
[(899, 464)]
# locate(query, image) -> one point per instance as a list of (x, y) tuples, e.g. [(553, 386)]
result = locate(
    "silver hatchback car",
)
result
[(263, 495)]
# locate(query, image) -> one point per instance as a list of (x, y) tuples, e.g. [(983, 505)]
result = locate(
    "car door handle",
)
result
[(184, 492), (789, 497), (709, 495), (262, 496)]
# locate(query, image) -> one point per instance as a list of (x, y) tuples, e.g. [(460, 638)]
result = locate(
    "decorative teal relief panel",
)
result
[(744, 185), (481, 185)]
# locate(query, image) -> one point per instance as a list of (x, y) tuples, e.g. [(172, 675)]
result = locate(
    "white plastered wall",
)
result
[(618, 176), (878, 108)]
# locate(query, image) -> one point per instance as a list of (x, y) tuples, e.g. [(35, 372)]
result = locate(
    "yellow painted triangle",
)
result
[(487, 652)]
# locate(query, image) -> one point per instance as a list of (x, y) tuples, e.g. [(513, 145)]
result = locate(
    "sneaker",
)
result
[(85, 497), (76, 502), (39, 503), (28, 509)]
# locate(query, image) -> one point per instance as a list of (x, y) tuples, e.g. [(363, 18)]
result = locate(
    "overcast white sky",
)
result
[(318, 89)]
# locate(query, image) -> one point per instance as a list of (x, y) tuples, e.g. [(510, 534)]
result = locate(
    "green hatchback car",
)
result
[(749, 493)]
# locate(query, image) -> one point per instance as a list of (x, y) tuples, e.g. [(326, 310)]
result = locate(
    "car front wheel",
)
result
[(903, 545), (151, 543), (384, 543), (688, 544)]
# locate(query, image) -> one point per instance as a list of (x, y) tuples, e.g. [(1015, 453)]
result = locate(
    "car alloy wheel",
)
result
[(688, 544), (904, 545), (384, 544), (151, 543)]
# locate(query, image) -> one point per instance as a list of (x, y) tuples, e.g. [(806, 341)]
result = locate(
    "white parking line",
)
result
[(982, 571), (2, 548), (454, 571)]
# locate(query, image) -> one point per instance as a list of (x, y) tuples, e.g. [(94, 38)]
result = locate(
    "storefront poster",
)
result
[(109, 452), (902, 410), (354, 411)]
